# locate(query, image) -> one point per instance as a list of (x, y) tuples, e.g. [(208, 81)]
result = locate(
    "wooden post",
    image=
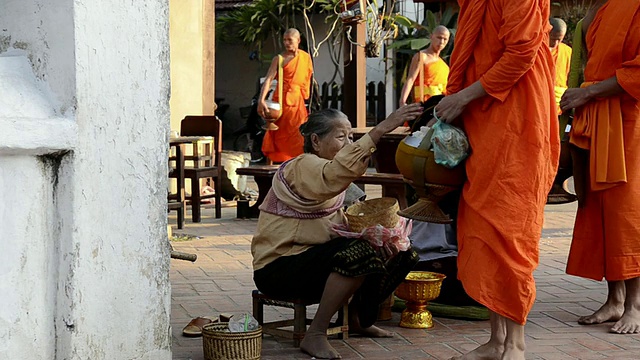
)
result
[(208, 56), (355, 71)]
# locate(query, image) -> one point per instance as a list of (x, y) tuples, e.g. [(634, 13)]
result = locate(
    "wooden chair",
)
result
[(177, 201), (206, 164)]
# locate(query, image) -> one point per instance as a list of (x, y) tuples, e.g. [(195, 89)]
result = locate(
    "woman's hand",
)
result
[(395, 119), (387, 251), (450, 107), (574, 98)]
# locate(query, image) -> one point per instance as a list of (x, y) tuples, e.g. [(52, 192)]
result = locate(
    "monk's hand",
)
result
[(574, 98), (450, 107), (262, 109)]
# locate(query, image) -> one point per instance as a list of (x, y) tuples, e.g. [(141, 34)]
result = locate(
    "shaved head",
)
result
[(292, 32), (558, 25), (441, 29)]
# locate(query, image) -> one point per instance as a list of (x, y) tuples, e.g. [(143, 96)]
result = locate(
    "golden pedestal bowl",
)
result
[(417, 289)]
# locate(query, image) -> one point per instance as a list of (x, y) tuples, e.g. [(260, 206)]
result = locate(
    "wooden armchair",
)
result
[(205, 164)]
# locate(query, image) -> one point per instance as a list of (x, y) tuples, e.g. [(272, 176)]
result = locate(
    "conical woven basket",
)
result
[(383, 211), (220, 344)]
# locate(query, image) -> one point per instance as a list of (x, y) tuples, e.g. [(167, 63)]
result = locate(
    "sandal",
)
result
[(194, 327)]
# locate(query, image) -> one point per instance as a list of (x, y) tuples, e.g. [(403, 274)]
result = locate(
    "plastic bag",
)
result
[(450, 145), (242, 323)]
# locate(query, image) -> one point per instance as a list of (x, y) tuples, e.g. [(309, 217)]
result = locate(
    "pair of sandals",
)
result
[(194, 327)]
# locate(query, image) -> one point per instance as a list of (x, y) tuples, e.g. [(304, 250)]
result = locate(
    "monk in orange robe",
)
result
[(287, 142), (433, 79), (561, 54), (501, 91), (606, 127)]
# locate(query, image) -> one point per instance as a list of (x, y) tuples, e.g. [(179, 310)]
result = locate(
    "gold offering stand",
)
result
[(418, 288)]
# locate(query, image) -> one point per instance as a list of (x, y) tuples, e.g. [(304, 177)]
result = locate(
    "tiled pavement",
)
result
[(220, 282)]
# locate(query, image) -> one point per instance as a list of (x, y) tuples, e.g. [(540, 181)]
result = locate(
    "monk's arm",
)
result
[(411, 78), (576, 97), (522, 37), (271, 74)]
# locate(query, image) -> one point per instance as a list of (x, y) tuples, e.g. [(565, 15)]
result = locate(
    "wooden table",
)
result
[(384, 159)]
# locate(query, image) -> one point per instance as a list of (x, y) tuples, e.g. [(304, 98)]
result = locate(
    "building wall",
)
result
[(186, 39), (85, 260), (45, 28)]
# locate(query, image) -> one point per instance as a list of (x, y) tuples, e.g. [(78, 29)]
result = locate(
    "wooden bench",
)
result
[(392, 185)]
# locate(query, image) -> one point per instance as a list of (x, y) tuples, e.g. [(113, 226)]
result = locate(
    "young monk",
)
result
[(561, 54), (501, 90), (605, 133), (286, 142), (434, 70)]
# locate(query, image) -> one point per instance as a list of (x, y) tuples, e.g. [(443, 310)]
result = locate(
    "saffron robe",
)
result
[(434, 82), (515, 148), (287, 142), (562, 59), (606, 236)]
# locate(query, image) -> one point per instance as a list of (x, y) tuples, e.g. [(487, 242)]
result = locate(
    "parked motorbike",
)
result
[(249, 137)]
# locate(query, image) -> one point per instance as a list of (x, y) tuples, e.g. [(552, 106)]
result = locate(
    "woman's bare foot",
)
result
[(317, 345), (629, 323), (608, 312), (372, 331), (488, 351)]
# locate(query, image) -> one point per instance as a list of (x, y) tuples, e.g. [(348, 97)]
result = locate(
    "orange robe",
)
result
[(435, 81), (515, 148), (606, 235), (562, 59), (287, 142)]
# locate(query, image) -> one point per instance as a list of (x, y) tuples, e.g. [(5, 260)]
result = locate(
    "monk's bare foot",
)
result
[(629, 323), (513, 353), (372, 331), (608, 312), (317, 345), (488, 351)]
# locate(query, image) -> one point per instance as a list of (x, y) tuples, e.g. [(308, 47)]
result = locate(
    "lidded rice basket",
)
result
[(383, 211)]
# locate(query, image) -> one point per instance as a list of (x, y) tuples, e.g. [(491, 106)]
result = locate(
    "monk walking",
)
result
[(501, 91), (561, 54), (428, 72), (605, 135), (296, 66)]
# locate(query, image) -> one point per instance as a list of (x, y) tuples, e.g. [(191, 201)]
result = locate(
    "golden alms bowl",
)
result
[(417, 289)]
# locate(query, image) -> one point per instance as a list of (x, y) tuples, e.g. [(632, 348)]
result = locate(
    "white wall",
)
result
[(85, 260), (45, 29)]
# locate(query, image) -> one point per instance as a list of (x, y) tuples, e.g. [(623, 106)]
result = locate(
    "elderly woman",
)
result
[(295, 252)]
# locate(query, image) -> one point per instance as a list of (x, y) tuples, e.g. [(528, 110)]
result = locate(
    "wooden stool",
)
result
[(299, 321)]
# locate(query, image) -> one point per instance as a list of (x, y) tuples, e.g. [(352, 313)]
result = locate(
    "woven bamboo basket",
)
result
[(220, 344), (383, 211)]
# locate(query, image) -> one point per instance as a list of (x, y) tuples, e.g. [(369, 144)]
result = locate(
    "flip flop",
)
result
[(194, 327)]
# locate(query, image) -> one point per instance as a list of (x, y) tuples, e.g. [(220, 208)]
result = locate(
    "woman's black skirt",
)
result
[(304, 276)]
